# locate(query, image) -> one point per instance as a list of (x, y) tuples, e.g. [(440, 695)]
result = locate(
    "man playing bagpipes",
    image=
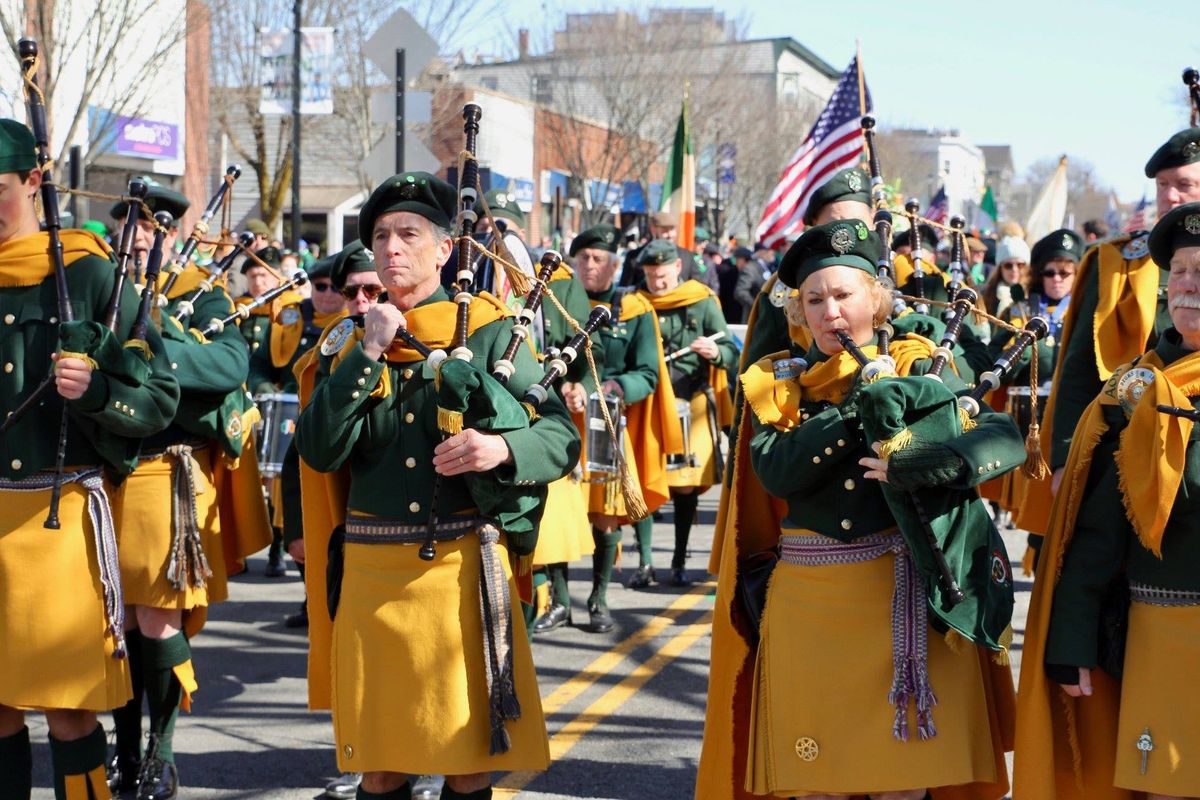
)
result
[(435, 476), (63, 646), (191, 510), (1107, 704)]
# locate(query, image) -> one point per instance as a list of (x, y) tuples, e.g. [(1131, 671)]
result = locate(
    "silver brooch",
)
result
[(1132, 386), (1191, 149), (841, 241), (1191, 224), (853, 181), (779, 294), (289, 316)]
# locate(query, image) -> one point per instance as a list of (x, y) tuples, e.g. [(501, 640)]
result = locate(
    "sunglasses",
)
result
[(1051, 273), (1012, 265), (371, 291), (323, 287)]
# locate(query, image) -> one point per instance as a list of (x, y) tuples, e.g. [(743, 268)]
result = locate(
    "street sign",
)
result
[(401, 32)]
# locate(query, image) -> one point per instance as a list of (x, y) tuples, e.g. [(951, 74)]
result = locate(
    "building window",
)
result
[(541, 90)]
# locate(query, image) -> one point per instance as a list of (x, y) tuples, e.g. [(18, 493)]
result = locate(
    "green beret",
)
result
[(701, 235), (352, 258), (503, 205), (1179, 227), (270, 255), (18, 151), (1062, 243), (416, 192), (849, 184), (658, 252), (159, 198), (925, 232), (600, 237), (1182, 148), (844, 242), (321, 268), (258, 227)]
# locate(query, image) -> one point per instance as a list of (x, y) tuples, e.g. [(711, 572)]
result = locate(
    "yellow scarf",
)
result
[(1124, 320), (653, 426), (903, 266), (685, 294), (777, 402), (26, 261)]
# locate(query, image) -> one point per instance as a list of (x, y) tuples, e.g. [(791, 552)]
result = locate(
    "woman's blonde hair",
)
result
[(882, 294)]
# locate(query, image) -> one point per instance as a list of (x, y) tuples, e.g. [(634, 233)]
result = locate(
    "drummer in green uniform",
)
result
[(375, 409), (63, 648), (698, 351)]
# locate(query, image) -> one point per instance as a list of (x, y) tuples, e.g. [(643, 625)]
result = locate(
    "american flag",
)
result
[(938, 207), (834, 143), (1137, 221)]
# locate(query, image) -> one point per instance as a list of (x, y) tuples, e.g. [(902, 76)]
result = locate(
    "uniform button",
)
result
[(409, 417), (990, 467), (847, 524), (849, 484), (258, 328), (8, 367), (805, 415), (414, 507), (980, 470), (366, 370), (816, 459), (303, 340), (408, 373), (117, 404), (354, 395), (362, 381), (174, 365), (53, 320), (807, 749), (410, 462), (9, 319), (254, 346), (16, 463), (828, 451), (841, 442)]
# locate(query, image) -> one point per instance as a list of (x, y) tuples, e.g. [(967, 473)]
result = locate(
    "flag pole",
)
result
[(862, 89)]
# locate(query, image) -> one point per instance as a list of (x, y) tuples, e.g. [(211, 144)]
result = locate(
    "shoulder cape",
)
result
[(27, 261)]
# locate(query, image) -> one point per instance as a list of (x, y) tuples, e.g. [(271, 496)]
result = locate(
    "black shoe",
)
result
[(556, 616), (299, 619), (122, 770), (275, 568), (643, 577), (158, 780), (679, 577), (602, 621)]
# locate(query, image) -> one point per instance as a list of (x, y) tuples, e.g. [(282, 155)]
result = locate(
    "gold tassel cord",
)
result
[(1035, 467)]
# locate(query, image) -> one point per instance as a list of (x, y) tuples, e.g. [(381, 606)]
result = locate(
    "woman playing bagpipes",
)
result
[(890, 591)]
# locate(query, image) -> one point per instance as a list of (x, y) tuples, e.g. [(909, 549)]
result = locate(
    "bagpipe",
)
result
[(180, 262), (1191, 79)]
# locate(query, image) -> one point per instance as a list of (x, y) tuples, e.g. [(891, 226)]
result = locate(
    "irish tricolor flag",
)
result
[(679, 187)]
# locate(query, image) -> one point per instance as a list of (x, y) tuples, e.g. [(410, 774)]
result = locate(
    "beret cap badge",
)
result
[(841, 240), (1191, 149), (1068, 242), (1191, 224), (853, 181)]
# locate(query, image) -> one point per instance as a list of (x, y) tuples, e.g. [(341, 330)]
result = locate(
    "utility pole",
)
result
[(296, 214)]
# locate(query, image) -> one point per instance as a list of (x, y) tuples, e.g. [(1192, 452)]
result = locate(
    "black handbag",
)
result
[(754, 573), (1113, 627), (333, 569)]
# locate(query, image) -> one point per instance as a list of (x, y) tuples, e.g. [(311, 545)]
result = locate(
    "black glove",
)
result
[(923, 464), (1063, 673)]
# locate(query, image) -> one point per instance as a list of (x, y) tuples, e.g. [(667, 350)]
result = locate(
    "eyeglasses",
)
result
[(323, 287), (1012, 265), (1051, 273), (371, 291)]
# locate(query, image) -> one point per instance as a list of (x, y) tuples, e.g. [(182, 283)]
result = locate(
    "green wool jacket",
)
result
[(679, 327), (815, 468), (127, 398), (625, 352), (1080, 379), (256, 329), (1104, 543), (265, 377), (211, 374), (388, 443)]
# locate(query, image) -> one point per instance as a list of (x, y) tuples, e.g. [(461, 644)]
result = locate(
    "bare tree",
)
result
[(1087, 195), (102, 42)]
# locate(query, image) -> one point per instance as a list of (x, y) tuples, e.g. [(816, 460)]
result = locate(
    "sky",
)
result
[(1097, 79)]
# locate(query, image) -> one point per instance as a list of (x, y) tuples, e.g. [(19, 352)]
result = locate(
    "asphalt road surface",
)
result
[(625, 710)]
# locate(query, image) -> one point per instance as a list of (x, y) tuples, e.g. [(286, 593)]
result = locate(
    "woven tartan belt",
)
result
[(384, 530), (1155, 596)]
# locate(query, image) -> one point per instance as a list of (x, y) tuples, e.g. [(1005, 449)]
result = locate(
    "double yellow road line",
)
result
[(571, 733)]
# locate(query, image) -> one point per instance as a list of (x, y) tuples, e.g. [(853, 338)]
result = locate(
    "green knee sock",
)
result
[(559, 591), (642, 531), (16, 765), (127, 720), (603, 559), (163, 690), (79, 757), (404, 792), (529, 610)]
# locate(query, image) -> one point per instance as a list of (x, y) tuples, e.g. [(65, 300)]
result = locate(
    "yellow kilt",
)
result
[(409, 685), (564, 534), (1162, 654), (55, 651), (145, 535), (702, 448), (823, 673)]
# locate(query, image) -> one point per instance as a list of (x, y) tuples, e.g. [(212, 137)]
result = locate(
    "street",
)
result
[(625, 710)]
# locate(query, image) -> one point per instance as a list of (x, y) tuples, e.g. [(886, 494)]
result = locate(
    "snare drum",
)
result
[(1018, 405), (279, 415), (676, 461), (602, 456)]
